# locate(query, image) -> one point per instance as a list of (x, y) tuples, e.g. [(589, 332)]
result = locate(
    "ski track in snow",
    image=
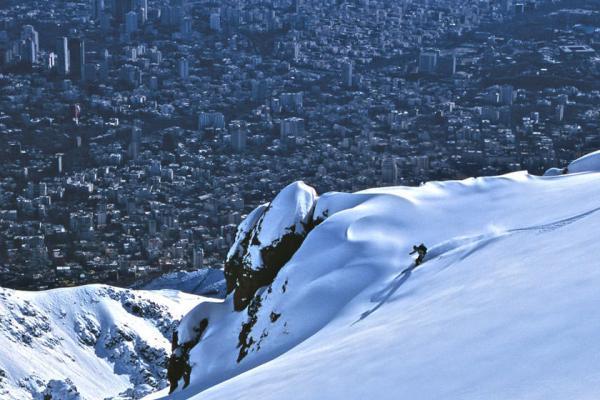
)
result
[(463, 247)]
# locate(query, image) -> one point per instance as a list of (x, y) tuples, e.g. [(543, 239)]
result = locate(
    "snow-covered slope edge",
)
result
[(93, 341), (208, 282), (496, 311)]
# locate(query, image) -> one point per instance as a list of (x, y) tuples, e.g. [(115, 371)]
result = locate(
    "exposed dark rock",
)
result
[(245, 340), (179, 363), (284, 287), (274, 316), (274, 258)]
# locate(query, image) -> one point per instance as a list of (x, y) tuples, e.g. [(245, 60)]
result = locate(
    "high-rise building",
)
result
[(185, 28), (389, 171), (293, 126), (131, 75), (347, 73), (121, 8), (143, 10), (135, 142), (259, 89), (239, 135), (198, 257), (77, 58), (27, 51), (291, 101), (183, 66), (59, 163), (447, 65), (428, 61), (507, 95), (131, 22), (215, 21), (101, 215), (165, 15), (97, 9), (28, 32), (559, 112), (211, 120), (62, 51)]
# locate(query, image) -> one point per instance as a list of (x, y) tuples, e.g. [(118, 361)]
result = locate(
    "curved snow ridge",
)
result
[(289, 211), (352, 287), (588, 163), (54, 341)]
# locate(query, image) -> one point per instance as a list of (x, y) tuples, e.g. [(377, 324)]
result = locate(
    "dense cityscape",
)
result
[(136, 134)]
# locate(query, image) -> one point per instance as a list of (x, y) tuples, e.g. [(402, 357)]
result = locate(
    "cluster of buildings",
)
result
[(136, 134)]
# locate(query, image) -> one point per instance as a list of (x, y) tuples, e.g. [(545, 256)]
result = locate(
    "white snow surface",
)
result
[(504, 307), (588, 163), (289, 212), (291, 207), (204, 282), (95, 341)]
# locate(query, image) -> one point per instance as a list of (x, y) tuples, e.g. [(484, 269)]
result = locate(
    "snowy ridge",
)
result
[(90, 342), (208, 282), (587, 163), (494, 312)]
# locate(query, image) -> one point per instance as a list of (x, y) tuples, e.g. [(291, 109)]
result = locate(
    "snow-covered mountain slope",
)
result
[(204, 282), (89, 342), (504, 306)]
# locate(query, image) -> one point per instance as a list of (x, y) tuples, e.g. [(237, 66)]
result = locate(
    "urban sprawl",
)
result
[(136, 134)]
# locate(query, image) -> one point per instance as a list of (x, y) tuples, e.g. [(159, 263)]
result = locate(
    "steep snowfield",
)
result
[(504, 307), (89, 342)]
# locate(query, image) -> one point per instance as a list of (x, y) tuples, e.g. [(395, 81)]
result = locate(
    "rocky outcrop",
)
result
[(179, 363), (59, 390), (266, 240)]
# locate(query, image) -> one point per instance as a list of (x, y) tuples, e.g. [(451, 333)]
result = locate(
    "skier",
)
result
[(422, 251)]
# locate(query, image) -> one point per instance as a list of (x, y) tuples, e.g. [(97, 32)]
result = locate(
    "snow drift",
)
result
[(505, 305)]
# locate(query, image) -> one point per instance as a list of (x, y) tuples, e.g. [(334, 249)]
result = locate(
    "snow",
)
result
[(505, 305), (554, 172), (245, 228), (92, 341), (204, 282), (289, 212), (59, 390), (291, 207), (587, 163)]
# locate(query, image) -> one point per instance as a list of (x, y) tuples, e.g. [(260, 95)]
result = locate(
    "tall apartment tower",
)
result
[(62, 51), (389, 171), (347, 73), (77, 58), (97, 9)]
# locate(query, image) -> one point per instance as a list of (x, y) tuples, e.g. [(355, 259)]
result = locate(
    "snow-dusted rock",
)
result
[(235, 256), (60, 390), (267, 239)]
